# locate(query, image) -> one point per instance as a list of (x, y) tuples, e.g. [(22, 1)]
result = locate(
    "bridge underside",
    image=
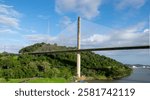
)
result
[(95, 49)]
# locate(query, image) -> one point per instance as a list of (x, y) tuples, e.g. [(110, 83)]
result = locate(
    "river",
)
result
[(139, 75)]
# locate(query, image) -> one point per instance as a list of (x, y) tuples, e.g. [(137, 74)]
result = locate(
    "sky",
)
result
[(104, 23)]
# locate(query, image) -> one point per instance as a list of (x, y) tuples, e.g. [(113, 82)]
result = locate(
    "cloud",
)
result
[(118, 38), (96, 38), (146, 30), (9, 21), (132, 35), (9, 10), (3, 31), (39, 38), (9, 28), (85, 8), (9, 16), (13, 48), (135, 4), (93, 35)]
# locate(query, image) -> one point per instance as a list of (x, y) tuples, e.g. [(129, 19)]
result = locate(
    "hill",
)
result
[(138, 65), (62, 65)]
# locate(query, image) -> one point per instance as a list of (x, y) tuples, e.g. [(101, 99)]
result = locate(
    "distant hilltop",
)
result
[(138, 66)]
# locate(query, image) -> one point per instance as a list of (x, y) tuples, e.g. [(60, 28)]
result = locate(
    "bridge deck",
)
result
[(95, 49)]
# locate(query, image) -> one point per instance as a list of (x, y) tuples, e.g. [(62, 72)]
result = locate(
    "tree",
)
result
[(1, 73), (65, 73), (7, 74)]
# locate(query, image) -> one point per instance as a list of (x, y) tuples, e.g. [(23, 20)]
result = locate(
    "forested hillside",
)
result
[(59, 65)]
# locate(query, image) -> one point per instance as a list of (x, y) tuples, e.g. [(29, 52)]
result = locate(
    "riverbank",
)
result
[(59, 80), (100, 78), (139, 75)]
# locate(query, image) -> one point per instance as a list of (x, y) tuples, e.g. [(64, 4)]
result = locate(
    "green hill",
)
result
[(59, 65)]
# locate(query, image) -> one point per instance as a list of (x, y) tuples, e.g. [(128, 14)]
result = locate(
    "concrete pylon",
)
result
[(78, 47)]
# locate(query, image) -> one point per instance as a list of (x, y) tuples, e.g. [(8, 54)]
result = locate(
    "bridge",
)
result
[(94, 49), (78, 50)]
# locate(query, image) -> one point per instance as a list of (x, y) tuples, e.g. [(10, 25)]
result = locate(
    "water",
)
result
[(139, 75)]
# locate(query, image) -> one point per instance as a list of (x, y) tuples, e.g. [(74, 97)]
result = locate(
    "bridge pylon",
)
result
[(78, 47)]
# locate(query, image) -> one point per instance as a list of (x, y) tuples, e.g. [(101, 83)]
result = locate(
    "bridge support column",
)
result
[(78, 47), (78, 65)]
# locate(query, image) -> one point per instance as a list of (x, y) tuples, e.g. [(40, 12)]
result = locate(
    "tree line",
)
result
[(59, 64)]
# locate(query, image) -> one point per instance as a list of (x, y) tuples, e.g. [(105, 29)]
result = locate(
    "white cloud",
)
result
[(9, 10), (118, 38), (85, 8), (136, 4), (3, 31), (9, 25), (9, 21), (146, 30), (40, 38), (93, 35), (97, 38), (132, 35), (9, 16), (12, 48), (134, 38)]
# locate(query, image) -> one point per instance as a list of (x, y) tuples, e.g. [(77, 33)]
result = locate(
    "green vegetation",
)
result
[(48, 80), (59, 67), (35, 80)]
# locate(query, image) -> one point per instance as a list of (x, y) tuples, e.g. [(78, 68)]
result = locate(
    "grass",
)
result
[(2, 80), (48, 80), (35, 80), (102, 77)]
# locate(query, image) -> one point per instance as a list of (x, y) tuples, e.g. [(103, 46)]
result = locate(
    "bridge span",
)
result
[(94, 49)]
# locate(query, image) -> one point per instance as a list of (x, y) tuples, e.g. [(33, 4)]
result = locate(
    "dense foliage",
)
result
[(59, 64)]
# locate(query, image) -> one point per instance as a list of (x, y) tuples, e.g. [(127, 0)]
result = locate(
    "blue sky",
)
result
[(104, 23)]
